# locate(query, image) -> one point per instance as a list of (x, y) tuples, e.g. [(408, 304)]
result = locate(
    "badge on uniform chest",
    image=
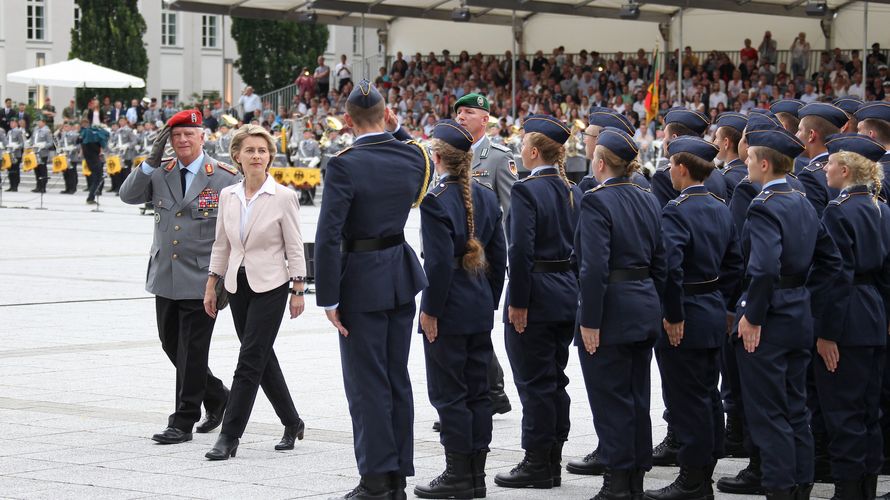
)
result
[(208, 198), (480, 173)]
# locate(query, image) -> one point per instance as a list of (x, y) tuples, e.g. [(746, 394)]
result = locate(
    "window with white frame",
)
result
[(36, 20), (209, 32), (168, 29)]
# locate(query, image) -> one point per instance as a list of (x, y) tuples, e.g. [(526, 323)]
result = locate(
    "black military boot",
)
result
[(636, 484), (479, 489), (665, 454), (587, 466), (398, 482), (848, 490), (455, 482), (802, 491), (532, 472), (556, 463), (746, 482), (782, 494), (822, 464), (691, 484), (734, 438), (370, 487), (616, 485), (870, 486)]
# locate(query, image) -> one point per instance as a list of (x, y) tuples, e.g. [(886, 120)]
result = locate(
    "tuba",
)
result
[(575, 146)]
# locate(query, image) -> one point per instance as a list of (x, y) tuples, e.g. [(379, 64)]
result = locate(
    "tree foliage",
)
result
[(110, 35), (272, 52)]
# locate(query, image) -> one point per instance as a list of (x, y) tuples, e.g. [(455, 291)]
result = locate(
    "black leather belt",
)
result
[(552, 266), (701, 288), (864, 279), (372, 244), (636, 274), (785, 281)]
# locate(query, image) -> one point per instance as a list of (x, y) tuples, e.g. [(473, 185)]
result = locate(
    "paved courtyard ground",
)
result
[(84, 383)]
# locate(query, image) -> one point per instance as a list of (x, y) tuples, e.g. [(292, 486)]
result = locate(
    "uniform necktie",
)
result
[(182, 173)]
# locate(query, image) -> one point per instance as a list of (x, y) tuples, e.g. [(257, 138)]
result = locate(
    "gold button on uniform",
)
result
[(179, 214), (176, 228), (175, 256), (175, 242)]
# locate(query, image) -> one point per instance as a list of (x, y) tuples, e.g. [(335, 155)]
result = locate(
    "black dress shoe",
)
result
[(213, 419), (587, 466), (455, 482), (399, 482), (291, 434), (665, 454), (224, 448), (616, 485), (532, 472), (12, 190), (172, 435), (693, 483)]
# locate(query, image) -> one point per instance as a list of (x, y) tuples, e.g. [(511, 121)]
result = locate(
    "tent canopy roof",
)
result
[(76, 73), (380, 12)]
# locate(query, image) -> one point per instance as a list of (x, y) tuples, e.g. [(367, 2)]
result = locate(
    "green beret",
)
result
[(472, 101)]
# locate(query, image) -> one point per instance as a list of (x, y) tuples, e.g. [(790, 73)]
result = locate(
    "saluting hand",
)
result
[(391, 120), (518, 317), (674, 331), (591, 338), (750, 334), (830, 355), (334, 317), (430, 326)]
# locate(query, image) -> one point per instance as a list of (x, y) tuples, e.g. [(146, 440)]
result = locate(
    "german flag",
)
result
[(651, 101)]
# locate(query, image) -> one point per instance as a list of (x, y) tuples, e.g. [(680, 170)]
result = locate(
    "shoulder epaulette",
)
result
[(814, 166), (343, 150), (171, 162), (484, 184), (500, 147), (228, 168), (439, 188), (717, 197), (763, 196)]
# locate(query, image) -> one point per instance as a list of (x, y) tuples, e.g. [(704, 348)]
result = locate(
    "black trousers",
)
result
[(70, 176), (457, 383), (689, 384), (538, 357), (374, 358), (41, 175), (185, 331), (257, 318), (618, 388), (117, 180), (15, 173), (850, 400), (729, 378), (94, 181), (775, 393)]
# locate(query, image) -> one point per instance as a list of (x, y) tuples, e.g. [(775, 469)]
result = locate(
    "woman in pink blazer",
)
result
[(259, 251)]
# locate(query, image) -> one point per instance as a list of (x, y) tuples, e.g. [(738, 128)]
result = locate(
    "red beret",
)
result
[(187, 118)]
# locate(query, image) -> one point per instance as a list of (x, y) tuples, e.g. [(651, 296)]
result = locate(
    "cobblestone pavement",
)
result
[(84, 383)]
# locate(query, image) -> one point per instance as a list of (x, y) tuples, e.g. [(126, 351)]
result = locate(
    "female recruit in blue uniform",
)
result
[(465, 258), (542, 299), (599, 119), (790, 261), (620, 255), (852, 338), (730, 127), (704, 269)]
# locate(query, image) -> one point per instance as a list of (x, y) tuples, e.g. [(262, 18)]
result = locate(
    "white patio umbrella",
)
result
[(76, 73)]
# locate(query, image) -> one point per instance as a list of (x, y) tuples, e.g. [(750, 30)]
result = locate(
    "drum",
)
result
[(60, 164), (113, 164), (306, 178), (85, 168), (29, 160), (6, 161)]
